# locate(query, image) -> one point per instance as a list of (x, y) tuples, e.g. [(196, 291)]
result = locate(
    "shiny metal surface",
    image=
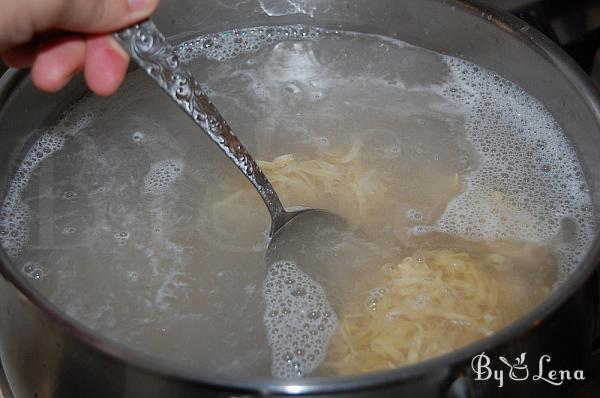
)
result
[(148, 48), (151, 51), (46, 354)]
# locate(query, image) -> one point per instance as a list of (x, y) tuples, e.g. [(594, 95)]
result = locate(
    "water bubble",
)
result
[(414, 215), (300, 291), (34, 271), (122, 237), (69, 195), (132, 276), (68, 230), (314, 315), (295, 294), (518, 144), (137, 136), (161, 175)]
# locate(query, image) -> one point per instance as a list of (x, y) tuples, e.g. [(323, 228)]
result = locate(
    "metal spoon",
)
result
[(148, 47)]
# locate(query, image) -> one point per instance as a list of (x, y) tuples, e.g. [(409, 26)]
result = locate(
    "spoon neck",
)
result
[(276, 210), (149, 48), (278, 220)]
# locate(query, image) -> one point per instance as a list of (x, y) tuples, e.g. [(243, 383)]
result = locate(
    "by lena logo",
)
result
[(519, 371)]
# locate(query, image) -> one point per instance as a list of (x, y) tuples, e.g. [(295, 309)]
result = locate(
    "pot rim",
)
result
[(151, 364)]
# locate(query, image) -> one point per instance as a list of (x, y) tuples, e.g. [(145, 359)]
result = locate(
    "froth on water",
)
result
[(123, 213), (299, 320)]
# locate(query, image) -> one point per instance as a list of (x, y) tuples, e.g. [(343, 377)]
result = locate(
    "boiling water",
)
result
[(110, 213)]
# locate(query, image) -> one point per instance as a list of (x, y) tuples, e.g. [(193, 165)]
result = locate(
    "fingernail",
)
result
[(142, 6)]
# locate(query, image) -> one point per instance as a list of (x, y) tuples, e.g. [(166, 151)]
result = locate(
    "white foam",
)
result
[(15, 214), (171, 289), (161, 175), (529, 179), (226, 45), (170, 274), (299, 321), (287, 7)]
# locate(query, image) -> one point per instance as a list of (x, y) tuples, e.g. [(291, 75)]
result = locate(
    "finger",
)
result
[(97, 16), (21, 56), (21, 19), (57, 62), (105, 64)]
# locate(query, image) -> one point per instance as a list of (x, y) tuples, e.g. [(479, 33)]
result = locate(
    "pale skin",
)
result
[(58, 39)]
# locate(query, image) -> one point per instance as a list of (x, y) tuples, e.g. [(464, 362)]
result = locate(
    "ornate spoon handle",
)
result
[(150, 50)]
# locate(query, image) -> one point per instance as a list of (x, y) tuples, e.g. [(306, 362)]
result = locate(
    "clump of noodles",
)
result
[(338, 182), (426, 305)]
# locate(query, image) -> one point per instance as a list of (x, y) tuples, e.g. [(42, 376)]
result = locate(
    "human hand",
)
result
[(60, 38)]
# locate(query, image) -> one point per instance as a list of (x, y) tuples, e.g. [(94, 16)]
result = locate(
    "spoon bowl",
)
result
[(306, 230)]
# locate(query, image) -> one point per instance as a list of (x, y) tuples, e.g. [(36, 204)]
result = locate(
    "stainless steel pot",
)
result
[(46, 354)]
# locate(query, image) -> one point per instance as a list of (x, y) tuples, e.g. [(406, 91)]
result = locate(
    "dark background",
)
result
[(572, 24)]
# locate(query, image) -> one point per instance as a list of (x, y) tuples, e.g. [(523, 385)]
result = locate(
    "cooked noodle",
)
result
[(424, 306), (337, 182), (410, 310)]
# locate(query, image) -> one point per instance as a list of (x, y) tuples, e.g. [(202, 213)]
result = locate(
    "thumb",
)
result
[(93, 16)]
